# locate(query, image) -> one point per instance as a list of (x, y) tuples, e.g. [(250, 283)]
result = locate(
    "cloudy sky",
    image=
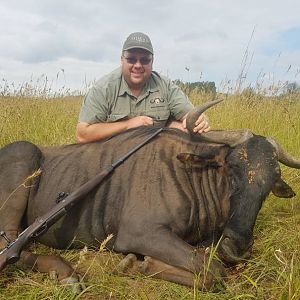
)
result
[(75, 42)]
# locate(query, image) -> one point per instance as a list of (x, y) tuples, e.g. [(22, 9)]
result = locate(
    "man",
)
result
[(133, 95)]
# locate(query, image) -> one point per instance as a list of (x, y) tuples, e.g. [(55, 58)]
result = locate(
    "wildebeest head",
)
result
[(233, 138)]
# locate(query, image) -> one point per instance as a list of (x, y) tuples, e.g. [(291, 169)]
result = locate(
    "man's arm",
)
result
[(86, 132)]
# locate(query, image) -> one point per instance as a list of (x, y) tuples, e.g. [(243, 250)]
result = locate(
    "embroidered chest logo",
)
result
[(157, 100)]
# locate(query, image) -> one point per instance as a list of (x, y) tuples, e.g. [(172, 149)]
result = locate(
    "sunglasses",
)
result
[(133, 60)]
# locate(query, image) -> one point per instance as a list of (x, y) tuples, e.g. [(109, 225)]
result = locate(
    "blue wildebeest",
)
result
[(177, 195)]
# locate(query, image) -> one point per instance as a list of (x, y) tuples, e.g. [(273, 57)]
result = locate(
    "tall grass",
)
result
[(273, 272), (42, 121)]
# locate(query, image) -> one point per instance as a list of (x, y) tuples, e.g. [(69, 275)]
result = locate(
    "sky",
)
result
[(73, 43)]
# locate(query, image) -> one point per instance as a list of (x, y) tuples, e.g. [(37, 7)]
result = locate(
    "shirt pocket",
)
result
[(157, 108)]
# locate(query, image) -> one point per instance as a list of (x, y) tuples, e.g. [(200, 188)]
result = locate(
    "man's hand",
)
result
[(179, 125), (201, 124), (139, 121)]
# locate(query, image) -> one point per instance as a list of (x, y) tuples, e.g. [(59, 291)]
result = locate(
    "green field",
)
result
[(274, 269)]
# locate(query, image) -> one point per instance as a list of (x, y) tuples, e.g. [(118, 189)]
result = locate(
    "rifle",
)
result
[(11, 253)]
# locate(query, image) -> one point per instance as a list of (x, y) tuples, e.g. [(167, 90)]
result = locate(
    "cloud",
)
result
[(208, 37)]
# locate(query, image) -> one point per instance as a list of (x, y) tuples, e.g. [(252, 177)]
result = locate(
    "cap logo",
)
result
[(139, 39)]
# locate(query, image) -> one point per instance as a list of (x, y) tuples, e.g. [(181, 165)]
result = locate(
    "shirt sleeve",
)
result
[(179, 103), (94, 108)]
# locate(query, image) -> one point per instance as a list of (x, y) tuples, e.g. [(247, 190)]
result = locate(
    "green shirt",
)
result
[(110, 100)]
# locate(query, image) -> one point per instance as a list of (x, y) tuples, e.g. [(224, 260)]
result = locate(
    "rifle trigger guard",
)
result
[(61, 196)]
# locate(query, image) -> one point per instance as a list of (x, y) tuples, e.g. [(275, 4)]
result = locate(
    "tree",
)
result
[(198, 86), (292, 88)]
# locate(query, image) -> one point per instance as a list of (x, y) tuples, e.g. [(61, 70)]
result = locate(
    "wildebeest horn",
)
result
[(228, 137), (283, 156), (194, 114)]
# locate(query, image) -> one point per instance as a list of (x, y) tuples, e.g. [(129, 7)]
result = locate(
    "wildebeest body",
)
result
[(150, 187), (175, 193)]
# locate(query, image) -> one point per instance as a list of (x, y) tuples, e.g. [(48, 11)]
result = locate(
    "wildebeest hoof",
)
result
[(126, 264), (219, 276), (74, 283), (212, 279), (144, 266), (53, 275)]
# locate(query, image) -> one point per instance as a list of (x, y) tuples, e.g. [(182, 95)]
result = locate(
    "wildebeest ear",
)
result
[(197, 160), (282, 190)]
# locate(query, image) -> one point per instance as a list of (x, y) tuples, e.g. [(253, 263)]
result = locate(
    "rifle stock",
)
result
[(11, 253)]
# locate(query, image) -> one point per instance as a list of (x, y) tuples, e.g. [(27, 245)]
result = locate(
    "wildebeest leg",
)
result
[(161, 243), (18, 162), (56, 266), (158, 269)]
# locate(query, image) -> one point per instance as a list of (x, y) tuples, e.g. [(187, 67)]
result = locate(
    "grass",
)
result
[(274, 269)]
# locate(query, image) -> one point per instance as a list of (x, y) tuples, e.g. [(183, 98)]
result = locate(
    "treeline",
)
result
[(197, 87), (285, 91), (292, 88)]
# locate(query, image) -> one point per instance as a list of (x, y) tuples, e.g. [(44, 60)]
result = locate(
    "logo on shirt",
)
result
[(157, 100)]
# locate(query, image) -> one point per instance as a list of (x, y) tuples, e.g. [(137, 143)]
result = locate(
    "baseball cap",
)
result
[(138, 40)]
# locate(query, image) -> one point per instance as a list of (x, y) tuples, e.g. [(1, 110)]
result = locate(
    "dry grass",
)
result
[(272, 273)]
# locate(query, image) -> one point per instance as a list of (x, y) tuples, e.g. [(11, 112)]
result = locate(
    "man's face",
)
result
[(136, 67)]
